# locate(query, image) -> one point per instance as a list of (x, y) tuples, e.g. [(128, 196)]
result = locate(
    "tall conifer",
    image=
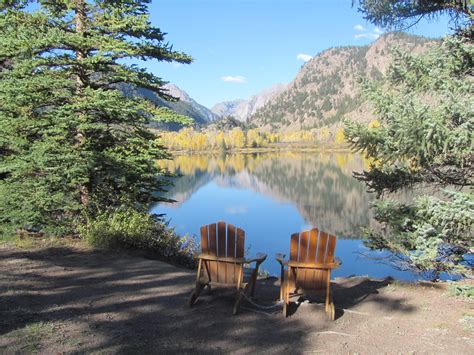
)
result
[(422, 149), (70, 141)]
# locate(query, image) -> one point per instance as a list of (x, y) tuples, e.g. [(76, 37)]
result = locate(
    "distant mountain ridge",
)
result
[(186, 105), (243, 109), (325, 90), (227, 108)]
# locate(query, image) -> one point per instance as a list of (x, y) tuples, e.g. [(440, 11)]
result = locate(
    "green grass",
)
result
[(461, 290), (29, 338), (467, 321), (27, 242), (8, 239)]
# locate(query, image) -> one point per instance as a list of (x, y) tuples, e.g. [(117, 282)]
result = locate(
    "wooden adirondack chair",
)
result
[(309, 268), (222, 262)]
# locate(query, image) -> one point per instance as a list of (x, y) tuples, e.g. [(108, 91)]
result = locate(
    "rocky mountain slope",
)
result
[(243, 109), (186, 105), (227, 108), (326, 90)]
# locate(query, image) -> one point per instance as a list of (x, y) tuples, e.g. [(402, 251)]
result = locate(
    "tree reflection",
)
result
[(320, 185)]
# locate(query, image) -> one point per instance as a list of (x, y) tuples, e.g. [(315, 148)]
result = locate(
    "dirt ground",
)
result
[(62, 299)]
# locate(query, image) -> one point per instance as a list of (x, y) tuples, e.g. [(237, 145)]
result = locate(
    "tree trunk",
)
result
[(80, 19)]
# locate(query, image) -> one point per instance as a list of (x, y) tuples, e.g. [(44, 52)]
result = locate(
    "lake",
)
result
[(272, 195)]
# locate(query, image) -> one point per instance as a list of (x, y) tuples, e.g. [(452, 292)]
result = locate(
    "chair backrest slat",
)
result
[(231, 241), (322, 243), (240, 249), (232, 269), (304, 242), (224, 240), (212, 250), (294, 246), (221, 239), (312, 246), (221, 251), (330, 249), (205, 239)]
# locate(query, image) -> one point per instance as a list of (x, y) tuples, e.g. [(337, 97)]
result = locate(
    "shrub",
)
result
[(460, 290), (130, 229)]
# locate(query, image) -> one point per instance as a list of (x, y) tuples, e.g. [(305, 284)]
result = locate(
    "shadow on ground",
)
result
[(122, 303)]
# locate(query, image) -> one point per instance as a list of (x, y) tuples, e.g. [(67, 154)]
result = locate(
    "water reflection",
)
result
[(271, 196), (320, 185)]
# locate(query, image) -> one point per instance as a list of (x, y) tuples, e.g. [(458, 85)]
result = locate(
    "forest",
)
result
[(190, 139)]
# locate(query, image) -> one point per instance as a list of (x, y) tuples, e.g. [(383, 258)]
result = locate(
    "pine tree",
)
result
[(402, 14), (422, 141), (422, 146), (72, 144)]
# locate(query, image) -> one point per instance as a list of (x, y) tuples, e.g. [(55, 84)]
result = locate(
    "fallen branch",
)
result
[(257, 311), (335, 333), (355, 312)]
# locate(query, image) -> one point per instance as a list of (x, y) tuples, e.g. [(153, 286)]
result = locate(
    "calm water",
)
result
[(271, 196)]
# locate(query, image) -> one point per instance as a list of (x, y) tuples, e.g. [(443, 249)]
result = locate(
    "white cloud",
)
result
[(236, 209), (234, 79), (304, 57), (177, 65), (366, 35), (373, 34)]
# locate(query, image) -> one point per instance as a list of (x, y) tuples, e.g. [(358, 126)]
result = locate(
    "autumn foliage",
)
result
[(237, 138)]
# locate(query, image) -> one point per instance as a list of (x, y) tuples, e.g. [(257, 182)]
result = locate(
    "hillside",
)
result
[(243, 109), (227, 108), (186, 105), (325, 90)]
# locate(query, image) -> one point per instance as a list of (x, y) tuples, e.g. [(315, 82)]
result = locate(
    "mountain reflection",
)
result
[(319, 184)]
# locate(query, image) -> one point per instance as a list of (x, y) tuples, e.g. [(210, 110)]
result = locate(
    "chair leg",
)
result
[(286, 292), (328, 297), (237, 304), (199, 286), (239, 291), (195, 294), (282, 283), (331, 314), (330, 309), (294, 277), (253, 282)]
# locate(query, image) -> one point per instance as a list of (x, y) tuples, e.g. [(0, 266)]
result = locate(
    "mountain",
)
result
[(227, 108), (185, 106), (225, 124), (243, 109), (188, 106), (325, 90)]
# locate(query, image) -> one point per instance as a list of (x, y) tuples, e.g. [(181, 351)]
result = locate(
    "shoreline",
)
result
[(272, 149)]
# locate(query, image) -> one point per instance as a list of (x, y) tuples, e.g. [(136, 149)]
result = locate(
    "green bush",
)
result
[(131, 229), (460, 290)]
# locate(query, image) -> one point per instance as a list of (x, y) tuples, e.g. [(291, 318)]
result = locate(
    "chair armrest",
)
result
[(259, 258), (280, 257), (222, 258), (324, 266)]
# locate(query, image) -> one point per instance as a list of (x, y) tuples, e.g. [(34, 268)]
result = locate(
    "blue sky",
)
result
[(241, 47)]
